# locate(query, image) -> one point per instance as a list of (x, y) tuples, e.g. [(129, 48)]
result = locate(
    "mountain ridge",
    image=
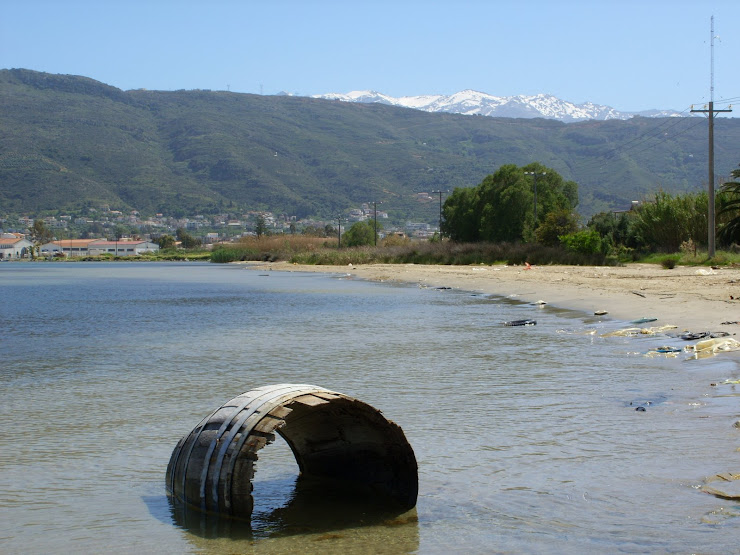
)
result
[(70, 142), (472, 102)]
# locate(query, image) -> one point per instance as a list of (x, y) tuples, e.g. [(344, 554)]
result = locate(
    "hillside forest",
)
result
[(70, 143)]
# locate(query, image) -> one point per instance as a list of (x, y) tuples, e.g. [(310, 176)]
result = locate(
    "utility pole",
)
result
[(440, 193), (711, 219), (534, 177), (339, 232), (375, 210)]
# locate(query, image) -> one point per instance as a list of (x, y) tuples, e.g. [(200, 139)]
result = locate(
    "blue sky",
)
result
[(626, 54)]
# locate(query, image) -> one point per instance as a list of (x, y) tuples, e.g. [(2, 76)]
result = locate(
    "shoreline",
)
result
[(692, 298)]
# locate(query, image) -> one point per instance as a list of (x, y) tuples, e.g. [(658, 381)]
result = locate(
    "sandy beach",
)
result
[(693, 298)]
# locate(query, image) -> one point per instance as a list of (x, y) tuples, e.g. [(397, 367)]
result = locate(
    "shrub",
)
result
[(394, 241), (556, 224), (669, 262), (667, 221), (584, 242), (224, 255), (360, 234), (689, 247)]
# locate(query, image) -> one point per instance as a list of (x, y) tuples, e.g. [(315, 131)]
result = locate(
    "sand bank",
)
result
[(692, 298)]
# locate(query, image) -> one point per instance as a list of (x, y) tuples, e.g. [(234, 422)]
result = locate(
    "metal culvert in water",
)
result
[(337, 441)]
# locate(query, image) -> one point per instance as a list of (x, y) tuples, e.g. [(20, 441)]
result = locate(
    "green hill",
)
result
[(68, 142)]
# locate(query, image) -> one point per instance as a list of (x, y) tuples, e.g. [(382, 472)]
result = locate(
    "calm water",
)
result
[(525, 437)]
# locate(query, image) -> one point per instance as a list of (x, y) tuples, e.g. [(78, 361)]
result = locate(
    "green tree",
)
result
[(313, 231), (187, 241), (506, 205), (501, 208), (570, 191), (556, 224), (668, 220), (729, 231), (554, 194), (587, 241), (360, 234), (459, 215), (615, 230), (260, 227), (166, 242), (39, 233)]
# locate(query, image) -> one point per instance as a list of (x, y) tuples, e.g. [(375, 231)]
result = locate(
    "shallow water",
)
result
[(527, 439)]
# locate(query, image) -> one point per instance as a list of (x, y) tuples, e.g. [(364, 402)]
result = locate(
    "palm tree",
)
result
[(730, 194)]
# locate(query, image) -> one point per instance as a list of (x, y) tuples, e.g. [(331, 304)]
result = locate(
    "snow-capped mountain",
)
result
[(477, 103)]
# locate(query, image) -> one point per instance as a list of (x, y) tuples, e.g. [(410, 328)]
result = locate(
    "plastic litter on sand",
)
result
[(710, 347), (633, 332)]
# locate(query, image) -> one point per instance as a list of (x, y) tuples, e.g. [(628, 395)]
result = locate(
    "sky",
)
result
[(630, 55)]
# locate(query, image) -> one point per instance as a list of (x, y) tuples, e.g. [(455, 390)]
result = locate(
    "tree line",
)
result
[(534, 204)]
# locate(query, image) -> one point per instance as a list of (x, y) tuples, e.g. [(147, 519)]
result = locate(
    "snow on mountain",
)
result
[(471, 102)]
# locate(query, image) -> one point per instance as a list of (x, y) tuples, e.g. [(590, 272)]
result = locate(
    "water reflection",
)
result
[(207, 525), (313, 509)]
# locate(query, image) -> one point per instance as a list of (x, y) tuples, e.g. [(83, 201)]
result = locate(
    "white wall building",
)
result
[(68, 247), (13, 247), (121, 248), (96, 247)]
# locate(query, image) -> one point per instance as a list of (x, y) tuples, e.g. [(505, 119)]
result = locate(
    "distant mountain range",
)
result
[(470, 102)]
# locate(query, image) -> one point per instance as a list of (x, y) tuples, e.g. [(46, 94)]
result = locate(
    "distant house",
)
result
[(121, 248), (13, 247)]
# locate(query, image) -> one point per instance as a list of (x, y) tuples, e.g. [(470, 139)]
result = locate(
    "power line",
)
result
[(660, 132), (726, 100)]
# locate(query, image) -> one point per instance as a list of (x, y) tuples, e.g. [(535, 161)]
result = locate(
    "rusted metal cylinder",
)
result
[(335, 439)]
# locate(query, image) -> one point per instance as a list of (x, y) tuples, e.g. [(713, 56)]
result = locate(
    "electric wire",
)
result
[(659, 133)]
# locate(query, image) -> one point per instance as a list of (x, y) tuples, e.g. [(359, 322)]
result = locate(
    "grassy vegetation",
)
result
[(303, 250), (178, 254), (701, 258), (312, 250), (161, 256), (271, 248), (321, 251)]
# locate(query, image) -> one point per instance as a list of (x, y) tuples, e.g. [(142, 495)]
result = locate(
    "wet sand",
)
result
[(692, 298)]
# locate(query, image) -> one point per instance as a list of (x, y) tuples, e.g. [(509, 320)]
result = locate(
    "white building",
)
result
[(67, 247), (13, 247), (96, 247), (121, 248)]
